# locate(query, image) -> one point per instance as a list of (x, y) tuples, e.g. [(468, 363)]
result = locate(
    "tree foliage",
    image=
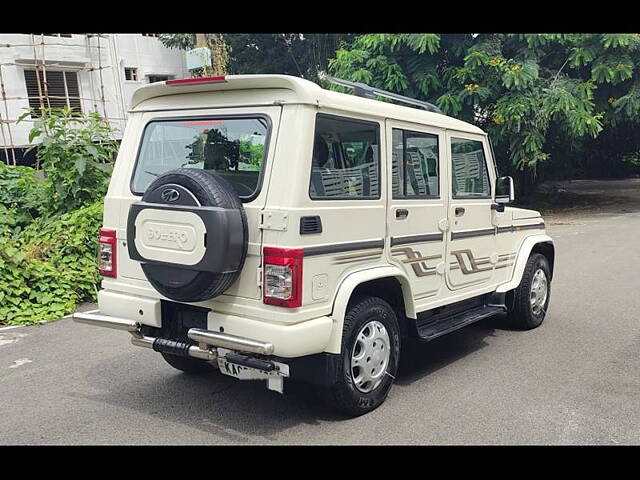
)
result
[(535, 94), (302, 55)]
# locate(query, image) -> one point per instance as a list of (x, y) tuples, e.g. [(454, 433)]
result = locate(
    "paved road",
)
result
[(574, 380)]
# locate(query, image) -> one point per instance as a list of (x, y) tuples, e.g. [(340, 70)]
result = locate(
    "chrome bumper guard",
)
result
[(212, 346)]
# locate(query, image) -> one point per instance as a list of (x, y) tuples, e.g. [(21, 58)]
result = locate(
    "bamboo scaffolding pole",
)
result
[(91, 82), (66, 66), (35, 59), (57, 97), (104, 104), (30, 120), (3, 92), (44, 76), (5, 147)]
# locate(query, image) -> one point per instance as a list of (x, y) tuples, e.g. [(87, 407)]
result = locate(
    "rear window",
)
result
[(233, 148)]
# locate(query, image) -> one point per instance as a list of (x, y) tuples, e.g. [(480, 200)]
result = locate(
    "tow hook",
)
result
[(251, 362)]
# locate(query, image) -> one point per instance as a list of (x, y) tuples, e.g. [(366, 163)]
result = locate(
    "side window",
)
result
[(346, 159), (414, 164), (469, 169)]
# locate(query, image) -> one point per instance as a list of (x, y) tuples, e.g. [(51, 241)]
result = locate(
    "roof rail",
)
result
[(366, 91)]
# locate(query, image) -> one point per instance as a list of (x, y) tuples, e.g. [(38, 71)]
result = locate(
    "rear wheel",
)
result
[(531, 297), (370, 354), (188, 365)]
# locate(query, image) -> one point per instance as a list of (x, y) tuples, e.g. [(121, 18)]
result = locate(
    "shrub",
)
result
[(49, 267), (21, 196), (75, 153)]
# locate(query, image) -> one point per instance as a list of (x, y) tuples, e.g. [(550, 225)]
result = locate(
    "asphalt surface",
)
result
[(574, 380)]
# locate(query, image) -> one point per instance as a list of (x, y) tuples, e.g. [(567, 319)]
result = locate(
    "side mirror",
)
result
[(505, 193)]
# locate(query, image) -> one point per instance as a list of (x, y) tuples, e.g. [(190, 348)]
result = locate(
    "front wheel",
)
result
[(531, 297), (370, 354)]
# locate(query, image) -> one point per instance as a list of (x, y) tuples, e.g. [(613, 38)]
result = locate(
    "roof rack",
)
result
[(366, 91)]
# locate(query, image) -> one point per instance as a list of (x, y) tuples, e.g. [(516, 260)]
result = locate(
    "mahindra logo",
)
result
[(170, 195)]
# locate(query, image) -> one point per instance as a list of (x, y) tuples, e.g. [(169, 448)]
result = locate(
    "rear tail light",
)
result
[(283, 276), (191, 81), (107, 253)]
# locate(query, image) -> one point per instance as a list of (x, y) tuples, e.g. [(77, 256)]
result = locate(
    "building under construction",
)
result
[(86, 72)]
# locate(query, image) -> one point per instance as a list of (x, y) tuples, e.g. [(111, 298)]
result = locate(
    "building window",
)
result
[(131, 74), (66, 35), (158, 78), (62, 90), (415, 164), (150, 34)]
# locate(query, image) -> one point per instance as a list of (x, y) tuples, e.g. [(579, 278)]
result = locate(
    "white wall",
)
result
[(146, 54)]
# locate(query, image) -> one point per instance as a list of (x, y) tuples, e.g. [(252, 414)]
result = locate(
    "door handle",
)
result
[(459, 211), (402, 213)]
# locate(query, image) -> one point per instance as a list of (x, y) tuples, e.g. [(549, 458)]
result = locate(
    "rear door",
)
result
[(417, 206), (471, 256), (237, 143)]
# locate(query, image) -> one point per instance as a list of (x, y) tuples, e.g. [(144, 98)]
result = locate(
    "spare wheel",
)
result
[(190, 234)]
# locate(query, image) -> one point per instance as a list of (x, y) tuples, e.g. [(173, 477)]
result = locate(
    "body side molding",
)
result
[(343, 247), (407, 239), (473, 233)]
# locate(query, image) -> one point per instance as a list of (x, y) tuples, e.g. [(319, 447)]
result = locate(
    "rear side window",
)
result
[(346, 159), (233, 148), (414, 164), (469, 172)]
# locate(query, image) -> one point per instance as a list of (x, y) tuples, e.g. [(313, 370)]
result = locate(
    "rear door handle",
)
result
[(459, 211), (402, 213)]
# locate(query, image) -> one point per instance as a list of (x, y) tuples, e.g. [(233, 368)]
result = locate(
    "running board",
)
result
[(427, 331)]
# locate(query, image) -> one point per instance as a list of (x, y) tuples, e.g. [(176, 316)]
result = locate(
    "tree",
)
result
[(302, 55), (530, 92), (214, 41)]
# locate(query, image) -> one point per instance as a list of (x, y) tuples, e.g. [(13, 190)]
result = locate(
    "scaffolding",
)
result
[(93, 43)]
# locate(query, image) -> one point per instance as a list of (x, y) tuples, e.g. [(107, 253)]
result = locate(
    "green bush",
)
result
[(49, 226), (21, 196), (75, 152), (50, 266)]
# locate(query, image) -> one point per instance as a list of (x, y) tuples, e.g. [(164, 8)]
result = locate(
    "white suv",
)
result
[(266, 227)]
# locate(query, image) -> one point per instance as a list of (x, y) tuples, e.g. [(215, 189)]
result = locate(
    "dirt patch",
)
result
[(585, 197)]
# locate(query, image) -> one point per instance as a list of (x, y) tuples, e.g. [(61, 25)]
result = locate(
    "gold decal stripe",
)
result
[(477, 262)]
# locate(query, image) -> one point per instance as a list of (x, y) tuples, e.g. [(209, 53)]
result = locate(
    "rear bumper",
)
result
[(319, 369), (205, 338), (289, 340)]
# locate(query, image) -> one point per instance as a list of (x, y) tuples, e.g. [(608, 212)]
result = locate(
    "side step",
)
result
[(429, 330)]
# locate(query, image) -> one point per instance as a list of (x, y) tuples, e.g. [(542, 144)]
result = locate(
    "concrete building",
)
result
[(88, 72)]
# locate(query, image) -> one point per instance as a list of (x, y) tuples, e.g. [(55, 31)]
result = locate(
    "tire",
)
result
[(522, 313), (209, 190), (345, 395), (188, 365)]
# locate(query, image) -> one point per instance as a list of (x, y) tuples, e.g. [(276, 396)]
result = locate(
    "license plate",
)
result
[(241, 372)]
